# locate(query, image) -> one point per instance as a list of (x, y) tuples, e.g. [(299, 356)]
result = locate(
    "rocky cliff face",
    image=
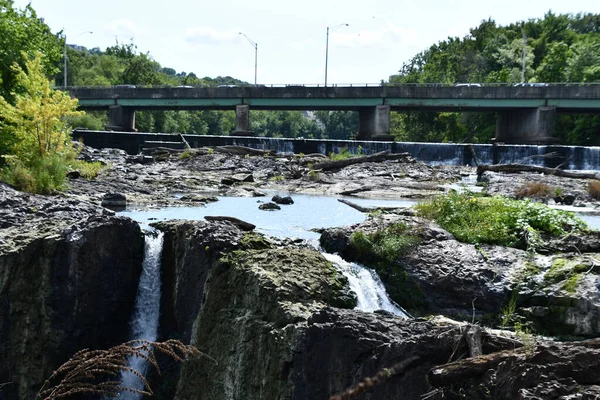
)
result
[(68, 281), (556, 293), (278, 324)]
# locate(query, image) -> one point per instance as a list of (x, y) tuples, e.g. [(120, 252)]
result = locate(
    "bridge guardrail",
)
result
[(357, 85)]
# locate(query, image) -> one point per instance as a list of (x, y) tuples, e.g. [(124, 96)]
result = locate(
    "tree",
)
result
[(36, 129), (22, 34)]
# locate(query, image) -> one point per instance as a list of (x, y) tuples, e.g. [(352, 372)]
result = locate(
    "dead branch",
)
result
[(242, 151), (377, 157)]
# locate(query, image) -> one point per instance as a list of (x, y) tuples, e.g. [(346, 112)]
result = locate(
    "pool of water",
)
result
[(294, 220)]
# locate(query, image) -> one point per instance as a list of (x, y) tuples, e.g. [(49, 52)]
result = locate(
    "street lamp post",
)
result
[(65, 56), (327, 48), (255, 45)]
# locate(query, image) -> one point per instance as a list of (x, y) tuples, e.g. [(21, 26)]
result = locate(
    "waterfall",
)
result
[(144, 323), (366, 284)]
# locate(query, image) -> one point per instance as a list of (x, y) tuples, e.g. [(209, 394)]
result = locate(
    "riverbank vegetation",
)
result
[(36, 134), (558, 48), (477, 219)]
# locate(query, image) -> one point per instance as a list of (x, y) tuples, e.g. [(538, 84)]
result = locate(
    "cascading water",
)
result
[(144, 324), (366, 284)]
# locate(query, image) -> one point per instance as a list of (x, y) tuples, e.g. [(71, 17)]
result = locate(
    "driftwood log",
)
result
[(377, 157), (514, 168), (242, 151), (243, 225), (460, 371)]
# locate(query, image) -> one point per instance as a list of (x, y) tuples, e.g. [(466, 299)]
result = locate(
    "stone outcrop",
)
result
[(68, 280), (556, 294), (534, 372), (276, 323)]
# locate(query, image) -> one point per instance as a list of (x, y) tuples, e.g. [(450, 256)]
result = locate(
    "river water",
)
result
[(144, 322)]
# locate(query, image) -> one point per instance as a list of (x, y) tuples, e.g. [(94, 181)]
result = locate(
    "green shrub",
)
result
[(342, 155), (40, 175), (88, 170), (472, 218), (384, 245)]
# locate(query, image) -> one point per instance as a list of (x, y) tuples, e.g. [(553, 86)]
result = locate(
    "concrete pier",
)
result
[(121, 118), (242, 121), (526, 126), (374, 123)]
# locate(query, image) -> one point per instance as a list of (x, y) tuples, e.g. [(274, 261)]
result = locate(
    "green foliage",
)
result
[(558, 48), (186, 154), (343, 154), (507, 313), (22, 34), (277, 178), (564, 270), (42, 150), (42, 175), (88, 170), (384, 245), (472, 218)]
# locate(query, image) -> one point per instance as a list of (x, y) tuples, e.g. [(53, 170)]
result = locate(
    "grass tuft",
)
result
[(476, 219), (537, 190), (594, 189), (98, 372)]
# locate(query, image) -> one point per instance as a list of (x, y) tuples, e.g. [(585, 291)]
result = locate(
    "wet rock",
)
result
[(282, 200), (69, 277), (269, 206), (75, 174), (535, 372), (114, 201), (557, 295), (195, 198), (279, 302), (238, 178)]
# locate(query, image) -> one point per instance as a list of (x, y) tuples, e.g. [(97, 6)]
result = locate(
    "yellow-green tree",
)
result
[(35, 125)]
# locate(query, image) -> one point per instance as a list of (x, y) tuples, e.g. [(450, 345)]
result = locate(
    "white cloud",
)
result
[(384, 35), (123, 28), (209, 35)]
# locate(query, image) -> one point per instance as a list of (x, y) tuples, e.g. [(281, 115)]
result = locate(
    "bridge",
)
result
[(525, 114)]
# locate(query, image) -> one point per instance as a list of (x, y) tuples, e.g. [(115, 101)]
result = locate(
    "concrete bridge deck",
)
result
[(526, 114), (579, 98)]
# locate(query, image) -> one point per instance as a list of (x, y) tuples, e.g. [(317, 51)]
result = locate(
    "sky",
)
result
[(202, 36)]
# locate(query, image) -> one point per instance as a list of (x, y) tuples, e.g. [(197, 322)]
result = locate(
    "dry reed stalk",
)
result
[(594, 189), (534, 189), (98, 371), (379, 378)]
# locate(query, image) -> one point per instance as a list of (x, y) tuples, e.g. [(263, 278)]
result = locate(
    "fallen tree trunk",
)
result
[(514, 168), (356, 206), (242, 151), (463, 370), (377, 157)]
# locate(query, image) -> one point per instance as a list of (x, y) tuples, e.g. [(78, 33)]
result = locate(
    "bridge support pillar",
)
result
[(526, 126), (121, 118), (374, 123), (242, 121)]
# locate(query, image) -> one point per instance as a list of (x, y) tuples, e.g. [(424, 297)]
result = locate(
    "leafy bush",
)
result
[(42, 149), (88, 170), (472, 218), (42, 175), (384, 245)]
